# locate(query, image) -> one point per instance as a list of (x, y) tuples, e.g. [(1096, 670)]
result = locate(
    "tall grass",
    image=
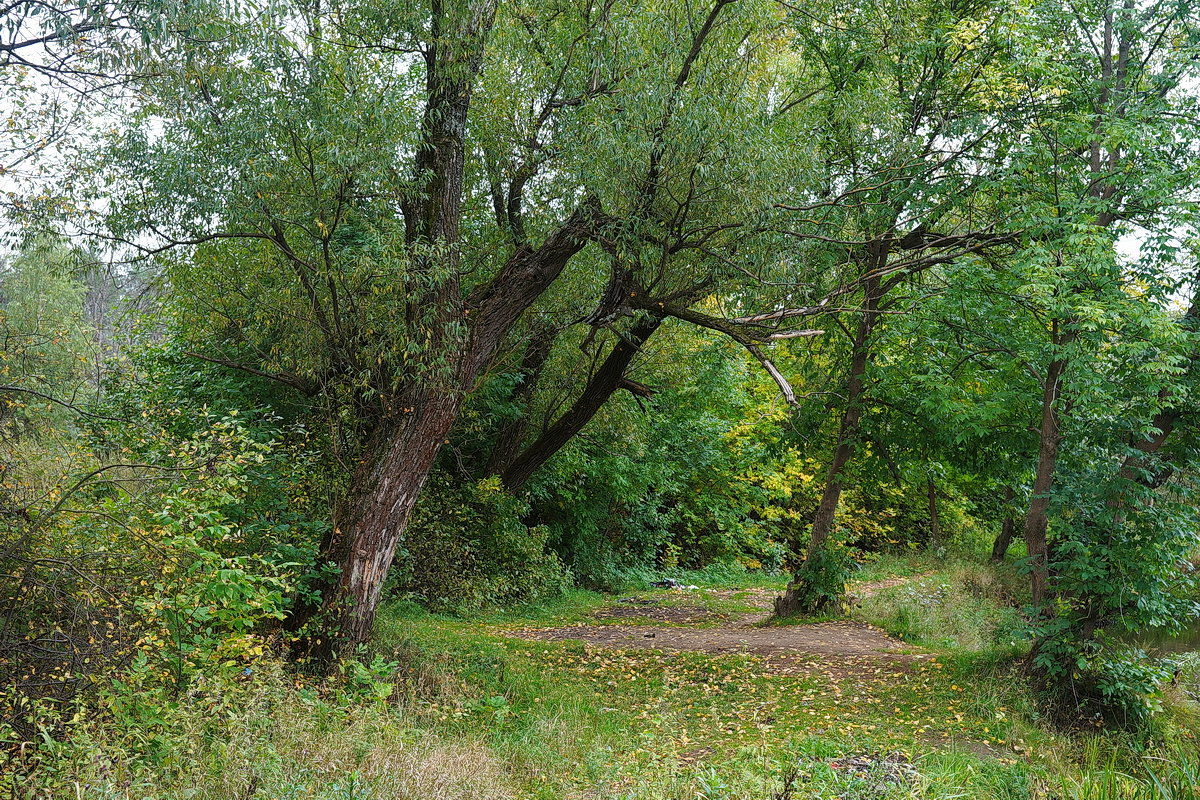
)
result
[(963, 606), (1154, 778), (261, 738)]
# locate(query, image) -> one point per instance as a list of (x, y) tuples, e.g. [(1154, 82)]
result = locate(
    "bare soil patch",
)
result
[(839, 649), (680, 615), (791, 649), (948, 741)]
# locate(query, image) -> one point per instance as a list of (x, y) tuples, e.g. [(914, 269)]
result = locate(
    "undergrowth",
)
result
[(443, 708), (963, 605)]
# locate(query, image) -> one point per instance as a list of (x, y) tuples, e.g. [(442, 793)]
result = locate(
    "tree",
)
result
[(906, 165), (372, 241), (58, 59), (1119, 87)]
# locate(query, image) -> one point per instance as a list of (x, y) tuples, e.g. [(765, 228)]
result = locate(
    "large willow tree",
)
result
[(361, 201)]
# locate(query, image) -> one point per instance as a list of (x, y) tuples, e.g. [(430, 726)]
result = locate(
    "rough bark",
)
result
[(369, 524), (412, 421), (391, 476), (461, 335)]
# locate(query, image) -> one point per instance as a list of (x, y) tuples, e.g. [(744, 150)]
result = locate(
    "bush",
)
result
[(145, 577), (1095, 681), (819, 583), (467, 548)]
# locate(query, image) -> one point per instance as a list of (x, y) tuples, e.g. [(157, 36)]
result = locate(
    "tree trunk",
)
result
[(792, 602), (414, 419), (371, 521), (401, 454), (608, 378), (847, 430), (1007, 529), (935, 525), (508, 439), (1036, 518)]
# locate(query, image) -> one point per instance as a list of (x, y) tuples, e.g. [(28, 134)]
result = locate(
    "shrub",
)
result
[(819, 583), (467, 548), (145, 578), (1095, 681)]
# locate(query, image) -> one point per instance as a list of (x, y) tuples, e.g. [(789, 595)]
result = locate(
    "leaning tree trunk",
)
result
[(405, 444), (608, 378), (414, 419), (795, 600), (372, 519), (397, 462)]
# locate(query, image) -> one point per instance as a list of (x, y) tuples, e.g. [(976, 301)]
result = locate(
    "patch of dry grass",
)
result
[(269, 739)]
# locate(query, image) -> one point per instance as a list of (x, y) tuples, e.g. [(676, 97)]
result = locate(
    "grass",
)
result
[(963, 606), (472, 713), (662, 725)]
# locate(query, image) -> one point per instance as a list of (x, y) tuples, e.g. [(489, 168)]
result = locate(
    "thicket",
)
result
[(469, 303)]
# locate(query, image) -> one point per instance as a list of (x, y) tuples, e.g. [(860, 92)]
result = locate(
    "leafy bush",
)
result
[(143, 579), (1095, 681), (819, 582), (467, 548), (1120, 561)]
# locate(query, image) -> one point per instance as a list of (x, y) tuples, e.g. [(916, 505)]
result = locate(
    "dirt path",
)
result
[(860, 664), (840, 647)]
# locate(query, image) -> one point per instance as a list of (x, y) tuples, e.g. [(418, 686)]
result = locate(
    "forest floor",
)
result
[(844, 647), (915, 692), (697, 693)]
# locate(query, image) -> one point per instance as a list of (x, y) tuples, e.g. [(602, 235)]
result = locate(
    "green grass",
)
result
[(475, 713), (960, 606)]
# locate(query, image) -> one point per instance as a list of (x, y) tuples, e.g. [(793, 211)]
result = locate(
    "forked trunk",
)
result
[(403, 447)]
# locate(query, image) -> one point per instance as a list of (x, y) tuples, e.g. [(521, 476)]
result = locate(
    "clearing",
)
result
[(649, 622), (672, 694)]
